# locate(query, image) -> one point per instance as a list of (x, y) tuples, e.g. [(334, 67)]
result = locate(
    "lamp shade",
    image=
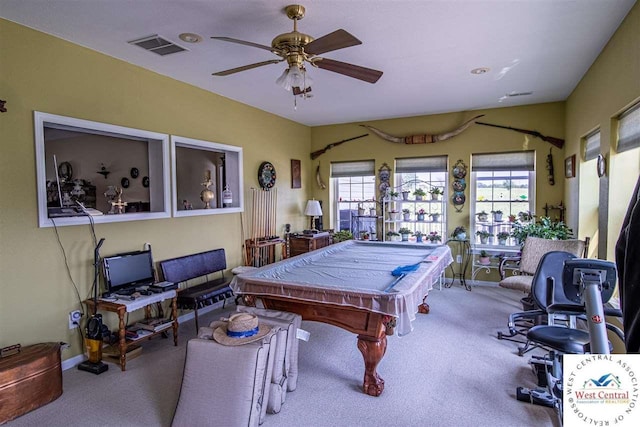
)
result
[(313, 208)]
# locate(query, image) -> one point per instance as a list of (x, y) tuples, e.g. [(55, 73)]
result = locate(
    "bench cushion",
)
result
[(205, 291)]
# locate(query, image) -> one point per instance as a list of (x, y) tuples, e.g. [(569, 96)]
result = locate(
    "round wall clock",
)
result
[(266, 175)]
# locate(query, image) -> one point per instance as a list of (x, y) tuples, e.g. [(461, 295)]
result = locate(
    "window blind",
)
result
[(629, 129), (422, 164), (521, 161), (592, 145), (360, 168)]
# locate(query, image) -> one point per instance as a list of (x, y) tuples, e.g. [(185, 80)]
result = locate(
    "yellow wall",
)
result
[(612, 82), (43, 73), (548, 119)]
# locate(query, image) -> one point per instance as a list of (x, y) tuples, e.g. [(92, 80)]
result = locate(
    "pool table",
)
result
[(350, 285)]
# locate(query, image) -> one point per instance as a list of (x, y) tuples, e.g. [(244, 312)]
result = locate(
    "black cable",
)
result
[(66, 263)]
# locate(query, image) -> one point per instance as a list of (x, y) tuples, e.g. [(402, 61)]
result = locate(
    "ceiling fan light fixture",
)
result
[(283, 80)]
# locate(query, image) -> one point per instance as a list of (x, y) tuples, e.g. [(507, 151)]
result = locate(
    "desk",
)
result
[(349, 285), (121, 307)]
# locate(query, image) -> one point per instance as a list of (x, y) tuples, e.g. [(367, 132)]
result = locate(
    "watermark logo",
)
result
[(601, 390)]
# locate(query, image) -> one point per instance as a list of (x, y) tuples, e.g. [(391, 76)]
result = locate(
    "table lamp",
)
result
[(313, 210)]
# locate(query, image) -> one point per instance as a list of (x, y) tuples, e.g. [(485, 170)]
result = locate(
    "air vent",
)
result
[(159, 45), (513, 94)]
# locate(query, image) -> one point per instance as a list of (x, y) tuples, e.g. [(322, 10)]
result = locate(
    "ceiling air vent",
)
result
[(159, 45)]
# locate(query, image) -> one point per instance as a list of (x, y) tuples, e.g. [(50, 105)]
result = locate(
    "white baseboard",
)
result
[(72, 362)]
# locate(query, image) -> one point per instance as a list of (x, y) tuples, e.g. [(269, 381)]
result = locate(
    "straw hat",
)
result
[(241, 328)]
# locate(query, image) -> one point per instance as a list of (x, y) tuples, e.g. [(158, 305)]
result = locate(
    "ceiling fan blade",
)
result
[(357, 72), (339, 39), (246, 67), (246, 43)]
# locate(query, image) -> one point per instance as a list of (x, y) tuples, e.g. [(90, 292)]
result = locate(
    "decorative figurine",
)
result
[(207, 195)]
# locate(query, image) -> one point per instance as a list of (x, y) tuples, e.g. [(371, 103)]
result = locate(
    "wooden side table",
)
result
[(303, 243), (145, 302)]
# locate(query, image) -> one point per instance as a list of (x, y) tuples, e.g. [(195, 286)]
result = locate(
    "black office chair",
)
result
[(550, 267)]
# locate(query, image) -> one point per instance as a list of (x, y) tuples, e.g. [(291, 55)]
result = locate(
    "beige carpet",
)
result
[(450, 371)]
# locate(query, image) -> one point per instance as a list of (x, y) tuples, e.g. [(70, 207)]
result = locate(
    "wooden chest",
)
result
[(29, 379)]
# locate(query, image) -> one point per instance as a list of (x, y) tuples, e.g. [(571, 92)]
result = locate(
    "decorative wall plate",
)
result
[(459, 170), (266, 175), (459, 185), (124, 182), (134, 173)]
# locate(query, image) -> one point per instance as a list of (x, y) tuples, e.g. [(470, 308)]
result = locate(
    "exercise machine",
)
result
[(589, 284)]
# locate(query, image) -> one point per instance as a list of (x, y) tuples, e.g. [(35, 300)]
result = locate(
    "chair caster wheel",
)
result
[(499, 335), (521, 351)]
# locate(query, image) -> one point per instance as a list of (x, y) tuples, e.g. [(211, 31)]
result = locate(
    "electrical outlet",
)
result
[(459, 259), (74, 319)]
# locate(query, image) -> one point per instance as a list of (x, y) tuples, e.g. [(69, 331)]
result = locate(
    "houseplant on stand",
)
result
[(484, 236), (436, 192), (418, 235), (482, 216), (419, 193), (434, 237), (420, 215), (406, 213), (393, 236), (459, 233), (502, 237), (484, 258), (405, 233), (497, 215), (434, 217)]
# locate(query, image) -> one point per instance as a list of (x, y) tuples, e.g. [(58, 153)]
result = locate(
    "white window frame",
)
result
[(158, 175), (234, 172)]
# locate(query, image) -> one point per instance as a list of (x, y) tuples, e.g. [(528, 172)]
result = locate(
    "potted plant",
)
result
[(341, 236), (420, 214), (502, 237), (434, 216), (419, 193), (497, 215), (372, 211), (459, 233), (434, 237), (394, 215), (406, 213), (405, 194), (484, 236), (364, 235), (404, 232), (360, 209), (544, 227), (436, 192), (482, 216), (418, 235), (393, 235), (525, 216), (484, 258), (393, 195), (512, 218)]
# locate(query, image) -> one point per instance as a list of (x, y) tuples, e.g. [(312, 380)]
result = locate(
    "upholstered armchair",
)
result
[(532, 252)]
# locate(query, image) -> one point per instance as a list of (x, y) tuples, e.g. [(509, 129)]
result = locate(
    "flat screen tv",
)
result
[(127, 271)]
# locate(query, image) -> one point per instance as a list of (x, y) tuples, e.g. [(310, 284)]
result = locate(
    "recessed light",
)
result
[(190, 38), (480, 70)]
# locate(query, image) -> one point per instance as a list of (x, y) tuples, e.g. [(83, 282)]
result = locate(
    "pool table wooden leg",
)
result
[(424, 307), (373, 349)]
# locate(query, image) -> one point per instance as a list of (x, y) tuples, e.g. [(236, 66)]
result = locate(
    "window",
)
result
[(96, 164), (503, 185), (592, 145), (353, 185), (629, 129), (426, 173), (198, 162)]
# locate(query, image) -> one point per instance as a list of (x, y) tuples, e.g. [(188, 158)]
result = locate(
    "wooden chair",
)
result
[(532, 252)]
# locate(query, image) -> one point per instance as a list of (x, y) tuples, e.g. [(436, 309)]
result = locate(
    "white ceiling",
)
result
[(426, 49)]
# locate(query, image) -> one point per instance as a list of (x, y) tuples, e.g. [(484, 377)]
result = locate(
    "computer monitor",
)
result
[(127, 271)]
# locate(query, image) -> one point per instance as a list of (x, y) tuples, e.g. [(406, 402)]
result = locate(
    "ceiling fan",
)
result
[(297, 48)]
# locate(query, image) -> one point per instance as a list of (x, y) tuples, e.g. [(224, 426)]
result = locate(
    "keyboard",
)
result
[(126, 291)]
